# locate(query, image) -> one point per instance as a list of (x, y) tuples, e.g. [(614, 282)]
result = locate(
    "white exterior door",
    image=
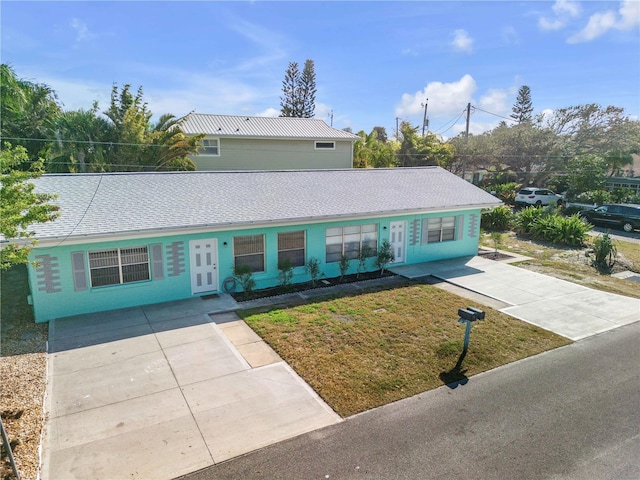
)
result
[(203, 260), (398, 240)]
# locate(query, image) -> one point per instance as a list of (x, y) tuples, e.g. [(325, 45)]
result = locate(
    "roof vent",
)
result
[(238, 129), (246, 119), (219, 129)]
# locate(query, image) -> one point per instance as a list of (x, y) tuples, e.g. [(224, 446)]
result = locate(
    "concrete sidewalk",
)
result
[(160, 391), (562, 307)]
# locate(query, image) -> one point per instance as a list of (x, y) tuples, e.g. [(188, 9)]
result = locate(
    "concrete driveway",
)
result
[(160, 391), (562, 307)]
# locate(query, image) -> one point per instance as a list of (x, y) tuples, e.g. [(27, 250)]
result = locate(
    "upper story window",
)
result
[(325, 145), (211, 147)]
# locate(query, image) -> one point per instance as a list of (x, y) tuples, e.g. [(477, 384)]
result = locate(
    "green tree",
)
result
[(373, 150), (298, 91), (417, 150), (592, 129), (27, 112), (20, 205), (523, 108), (80, 142), (307, 91), (137, 144), (586, 173)]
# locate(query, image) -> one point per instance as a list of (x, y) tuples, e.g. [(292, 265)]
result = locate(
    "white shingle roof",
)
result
[(263, 127), (128, 203)]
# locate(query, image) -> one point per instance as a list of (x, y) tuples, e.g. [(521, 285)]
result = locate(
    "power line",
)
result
[(494, 114)]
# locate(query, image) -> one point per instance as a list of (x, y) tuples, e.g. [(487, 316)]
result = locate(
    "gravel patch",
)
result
[(23, 374)]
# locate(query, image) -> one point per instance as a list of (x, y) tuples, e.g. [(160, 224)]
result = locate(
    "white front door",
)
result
[(398, 241), (203, 260)]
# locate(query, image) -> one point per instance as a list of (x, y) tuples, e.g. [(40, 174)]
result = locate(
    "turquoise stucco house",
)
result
[(129, 239)]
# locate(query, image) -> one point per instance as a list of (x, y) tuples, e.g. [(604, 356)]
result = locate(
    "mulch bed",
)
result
[(303, 287), (495, 255)]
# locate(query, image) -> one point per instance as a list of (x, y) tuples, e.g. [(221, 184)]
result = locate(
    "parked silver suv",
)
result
[(537, 196)]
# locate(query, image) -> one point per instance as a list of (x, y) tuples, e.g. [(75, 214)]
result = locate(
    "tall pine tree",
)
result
[(299, 91), (523, 108)]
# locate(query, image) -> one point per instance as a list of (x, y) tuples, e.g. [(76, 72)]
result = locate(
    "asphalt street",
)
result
[(571, 413)]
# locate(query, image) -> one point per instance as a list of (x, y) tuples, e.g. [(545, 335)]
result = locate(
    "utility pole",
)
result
[(466, 139), (331, 115), (424, 120), (397, 132)]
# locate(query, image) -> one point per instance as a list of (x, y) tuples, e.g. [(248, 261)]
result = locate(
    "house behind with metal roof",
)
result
[(128, 239), (235, 142)]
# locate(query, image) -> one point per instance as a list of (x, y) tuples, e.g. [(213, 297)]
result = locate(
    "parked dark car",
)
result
[(624, 216)]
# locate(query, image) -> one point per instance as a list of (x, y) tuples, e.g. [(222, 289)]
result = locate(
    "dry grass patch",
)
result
[(359, 352)]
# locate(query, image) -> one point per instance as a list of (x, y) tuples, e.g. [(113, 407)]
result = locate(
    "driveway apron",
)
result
[(562, 307), (160, 391)]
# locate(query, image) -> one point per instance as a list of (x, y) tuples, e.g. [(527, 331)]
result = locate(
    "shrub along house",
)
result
[(128, 239), (268, 143)]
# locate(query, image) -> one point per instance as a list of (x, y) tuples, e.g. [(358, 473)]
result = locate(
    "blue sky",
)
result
[(374, 61)]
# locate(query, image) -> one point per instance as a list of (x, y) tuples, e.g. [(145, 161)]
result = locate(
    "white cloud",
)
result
[(272, 44), (81, 29), (462, 41), (563, 10), (203, 93), (627, 17), (495, 101), (630, 14), (444, 98), (510, 36), (269, 112)]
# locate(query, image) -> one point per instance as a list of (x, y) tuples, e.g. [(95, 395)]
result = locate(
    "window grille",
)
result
[(249, 250), (291, 247), (118, 265)]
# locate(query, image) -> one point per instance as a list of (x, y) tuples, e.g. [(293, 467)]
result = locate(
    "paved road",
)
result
[(622, 236), (571, 413)]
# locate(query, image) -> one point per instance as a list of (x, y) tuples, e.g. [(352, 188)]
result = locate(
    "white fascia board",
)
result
[(189, 230)]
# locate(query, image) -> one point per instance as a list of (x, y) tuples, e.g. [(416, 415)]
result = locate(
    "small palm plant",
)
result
[(605, 253)]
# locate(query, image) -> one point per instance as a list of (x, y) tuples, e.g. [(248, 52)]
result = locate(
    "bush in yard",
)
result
[(344, 266), (625, 195), (505, 192), (524, 219), (385, 256), (365, 252), (496, 238), (595, 196), (286, 273), (243, 274), (605, 253), (313, 269), (548, 225), (499, 218)]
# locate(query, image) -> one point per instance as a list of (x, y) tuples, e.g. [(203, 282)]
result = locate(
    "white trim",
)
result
[(188, 230), (324, 148), (204, 153)]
